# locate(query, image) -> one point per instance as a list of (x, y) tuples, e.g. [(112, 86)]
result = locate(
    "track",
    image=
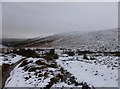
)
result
[(6, 72)]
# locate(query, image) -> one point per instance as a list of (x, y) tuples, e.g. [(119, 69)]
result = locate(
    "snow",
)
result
[(15, 59), (17, 76), (32, 59), (62, 84), (8, 59), (100, 72), (85, 72), (14, 78), (17, 79), (104, 40)]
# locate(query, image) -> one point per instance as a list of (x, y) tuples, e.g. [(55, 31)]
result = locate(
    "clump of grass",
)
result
[(50, 55), (39, 62), (24, 63), (40, 75), (46, 74), (62, 70), (26, 68), (33, 69), (54, 80), (85, 57), (70, 53)]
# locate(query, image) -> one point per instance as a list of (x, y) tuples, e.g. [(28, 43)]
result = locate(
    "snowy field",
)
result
[(98, 75), (20, 77), (96, 70)]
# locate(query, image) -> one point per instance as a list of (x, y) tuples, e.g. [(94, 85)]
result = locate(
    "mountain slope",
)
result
[(105, 40)]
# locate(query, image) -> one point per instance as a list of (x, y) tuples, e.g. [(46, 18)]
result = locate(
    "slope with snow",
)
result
[(26, 76), (97, 73), (104, 40), (20, 78), (96, 41)]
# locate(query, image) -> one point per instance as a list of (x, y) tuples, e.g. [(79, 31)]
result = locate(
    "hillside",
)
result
[(104, 40)]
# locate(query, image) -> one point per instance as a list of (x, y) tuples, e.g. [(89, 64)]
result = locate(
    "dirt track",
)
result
[(6, 72)]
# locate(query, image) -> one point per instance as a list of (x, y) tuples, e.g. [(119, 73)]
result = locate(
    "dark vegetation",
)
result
[(79, 52), (42, 65), (10, 42), (50, 55), (70, 53), (24, 63), (26, 52), (36, 68), (85, 57), (52, 65), (117, 53), (84, 52), (34, 42)]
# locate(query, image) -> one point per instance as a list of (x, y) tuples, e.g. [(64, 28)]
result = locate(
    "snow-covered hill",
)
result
[(104, 40)]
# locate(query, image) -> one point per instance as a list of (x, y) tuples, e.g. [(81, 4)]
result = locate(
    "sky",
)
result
[(33, 19)]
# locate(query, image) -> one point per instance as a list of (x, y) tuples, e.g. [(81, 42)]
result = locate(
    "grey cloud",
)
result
[(44, 18)]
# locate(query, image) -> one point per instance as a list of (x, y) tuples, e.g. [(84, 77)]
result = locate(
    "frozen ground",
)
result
[(98, 74), (21, 78), (9, 58), (17, 79), (42, 76), (102, 72), (88, 73)]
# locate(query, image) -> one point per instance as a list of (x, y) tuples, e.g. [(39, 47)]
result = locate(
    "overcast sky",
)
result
[(28, 20)]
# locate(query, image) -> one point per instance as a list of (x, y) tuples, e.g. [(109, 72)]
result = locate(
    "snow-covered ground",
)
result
[(96, 74), (21, 78), (9, 58), (100, 72), (17, 79)]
